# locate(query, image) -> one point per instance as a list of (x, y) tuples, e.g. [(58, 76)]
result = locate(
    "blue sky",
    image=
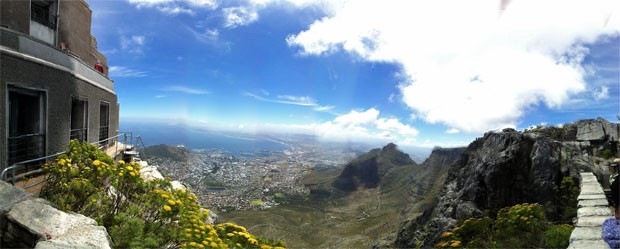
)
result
[(414, 73)]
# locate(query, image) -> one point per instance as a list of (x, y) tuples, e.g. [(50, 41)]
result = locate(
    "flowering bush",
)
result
[(137, 214), (520, 226)]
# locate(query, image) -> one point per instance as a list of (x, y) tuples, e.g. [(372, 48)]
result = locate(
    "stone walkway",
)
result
[(592, 211)]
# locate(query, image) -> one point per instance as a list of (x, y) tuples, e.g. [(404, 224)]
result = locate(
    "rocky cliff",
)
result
[(507, 168), (367, 170)]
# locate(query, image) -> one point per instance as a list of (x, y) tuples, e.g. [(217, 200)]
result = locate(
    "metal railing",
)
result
[(103, 132), (43, 16), (21, 170), (25, 147), (79, 134)]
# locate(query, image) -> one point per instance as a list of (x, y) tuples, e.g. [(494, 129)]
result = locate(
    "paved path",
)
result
[(592, 211)]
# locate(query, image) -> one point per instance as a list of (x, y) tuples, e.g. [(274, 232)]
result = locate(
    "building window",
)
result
[(104, 122), (27, 124), (79, 119), (42, 11)]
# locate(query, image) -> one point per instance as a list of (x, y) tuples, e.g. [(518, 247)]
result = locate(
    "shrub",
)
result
[(136, 213), (520, 226)]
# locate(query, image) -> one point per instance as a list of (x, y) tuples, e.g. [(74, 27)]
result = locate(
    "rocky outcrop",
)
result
[(367, 170), (498, 170), (27, 222)]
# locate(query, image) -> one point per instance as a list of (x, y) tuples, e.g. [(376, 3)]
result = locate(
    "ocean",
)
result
[(194, 138)]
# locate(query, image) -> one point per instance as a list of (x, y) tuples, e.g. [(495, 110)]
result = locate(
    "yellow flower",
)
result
[(265, 247), (230, 234), (167, 208), (455, 244), (192, 243), (165, 196), (132, 174), (213, 244), (238, 245), (96, 162), (121, 162), (61, 162), (120, 174), (201, 246), (171, 202), (446, 234), (129, 168)]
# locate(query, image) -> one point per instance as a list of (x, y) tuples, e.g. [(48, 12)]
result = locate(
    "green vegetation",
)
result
[(137, 214), (605, 153), (520, 226)]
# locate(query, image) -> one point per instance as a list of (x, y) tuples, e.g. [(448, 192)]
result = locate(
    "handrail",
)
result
[(14, 166)]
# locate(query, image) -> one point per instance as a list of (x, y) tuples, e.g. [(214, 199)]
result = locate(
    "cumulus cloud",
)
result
[(239, 16), (471, 65), (360, 126)]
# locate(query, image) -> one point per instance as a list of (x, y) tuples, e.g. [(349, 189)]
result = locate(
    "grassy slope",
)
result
[(356, 220)]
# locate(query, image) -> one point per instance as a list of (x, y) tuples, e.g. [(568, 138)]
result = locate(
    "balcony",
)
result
[(29, 48)]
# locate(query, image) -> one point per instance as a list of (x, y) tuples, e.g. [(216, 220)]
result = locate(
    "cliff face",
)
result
[(507, 168), (367, 170)]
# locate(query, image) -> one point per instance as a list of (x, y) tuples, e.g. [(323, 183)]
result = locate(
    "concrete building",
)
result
[(50, 91)]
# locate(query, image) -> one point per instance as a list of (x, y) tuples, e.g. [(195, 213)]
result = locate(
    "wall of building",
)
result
[(60, 87), (74, 29), (15, 15)]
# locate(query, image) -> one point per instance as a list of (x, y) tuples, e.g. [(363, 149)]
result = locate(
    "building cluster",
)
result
[(225, 182)]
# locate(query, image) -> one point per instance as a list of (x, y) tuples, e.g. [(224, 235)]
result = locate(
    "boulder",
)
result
[(590, 130), (149, 173), (35, 220)]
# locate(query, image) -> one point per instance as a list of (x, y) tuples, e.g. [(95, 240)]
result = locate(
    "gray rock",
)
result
[(588, 244), (41, 219), (10, 195), (586, 233), (590, 130), (591, 197), (593, 211), (92, 237), (613, 131), (593, 203), (592, 189), (591, 221)]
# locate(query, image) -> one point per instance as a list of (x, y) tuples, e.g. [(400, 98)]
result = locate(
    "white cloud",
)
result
[(602, 94), (133, 44), (120, 72), (452, 131), (290, 100), (175, 7), (469, 64), (360, 126), (185, 89), (160, 96), (207, 36), (239, 16)]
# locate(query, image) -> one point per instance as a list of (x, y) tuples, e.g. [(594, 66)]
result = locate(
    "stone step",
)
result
[(591, 221), (591, 197), (593, 203), (588, 244), (593, 211), (591, 189), (586, 233)]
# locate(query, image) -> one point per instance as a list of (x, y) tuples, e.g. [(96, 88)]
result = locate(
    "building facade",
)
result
[(50, 91)]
